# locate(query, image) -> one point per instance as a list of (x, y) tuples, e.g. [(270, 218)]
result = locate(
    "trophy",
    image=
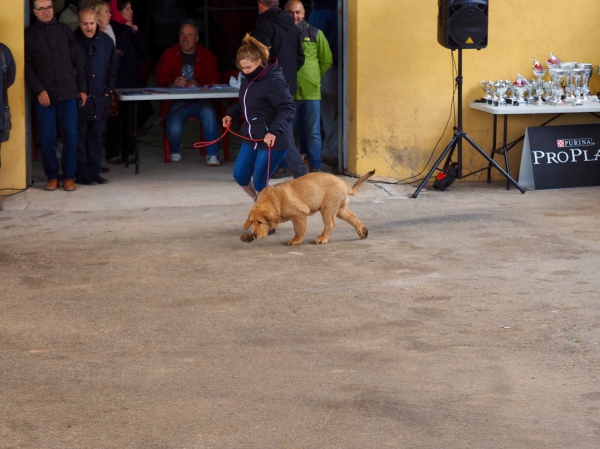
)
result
[(520, 87), (488, 92), (531, 88), (587, 73), (500, 87), (538, 70), (548, 86), (569, 86), (577, 75), (539, 91), (557, 74)]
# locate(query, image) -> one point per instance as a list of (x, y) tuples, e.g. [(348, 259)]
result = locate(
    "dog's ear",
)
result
[(273, 221), (247, 224)]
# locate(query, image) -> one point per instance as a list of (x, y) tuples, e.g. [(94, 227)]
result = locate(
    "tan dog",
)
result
[(295, 200)]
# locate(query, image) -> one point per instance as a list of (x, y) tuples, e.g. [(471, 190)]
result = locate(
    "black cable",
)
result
[(452, 115), (15, 193)]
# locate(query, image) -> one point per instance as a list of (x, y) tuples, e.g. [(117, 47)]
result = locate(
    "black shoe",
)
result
[(85, 181), (281, 173), (99, 180), (315, 170), (116, 160), (104, 170)]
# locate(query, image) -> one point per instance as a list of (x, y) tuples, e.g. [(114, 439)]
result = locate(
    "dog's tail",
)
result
[(361, 180)]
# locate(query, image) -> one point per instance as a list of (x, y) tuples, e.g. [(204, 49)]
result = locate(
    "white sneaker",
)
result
[(175, 157), (213, 161)]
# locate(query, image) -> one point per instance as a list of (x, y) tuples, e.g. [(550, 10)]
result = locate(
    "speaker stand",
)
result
[(457, 141)]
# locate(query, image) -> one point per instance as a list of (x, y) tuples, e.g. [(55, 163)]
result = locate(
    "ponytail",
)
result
[(252, 50)]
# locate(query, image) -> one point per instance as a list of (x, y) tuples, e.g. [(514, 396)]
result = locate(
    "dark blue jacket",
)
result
[(131, 48), (101, 69), (276, 30), (267, 105), (11, 71)]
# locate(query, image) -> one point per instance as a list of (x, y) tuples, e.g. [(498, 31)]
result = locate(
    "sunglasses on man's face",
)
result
[(43, 10)]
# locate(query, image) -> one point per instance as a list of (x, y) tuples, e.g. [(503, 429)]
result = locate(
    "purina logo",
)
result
[(567, 143)]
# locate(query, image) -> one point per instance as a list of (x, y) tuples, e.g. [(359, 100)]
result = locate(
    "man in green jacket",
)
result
[(317, 60)]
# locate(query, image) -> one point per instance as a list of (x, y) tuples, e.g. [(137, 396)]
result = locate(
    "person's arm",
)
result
[(323, 53), (299, 53), (164, 77), (11, 69), (37, 88), (234, 111), (139, 41), (113, 72), (212, 71), (281, 100), (78, 64)]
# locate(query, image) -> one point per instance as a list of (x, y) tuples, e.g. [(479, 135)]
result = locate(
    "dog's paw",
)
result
[(293, 242), (320, 240), (363, 233), (248, 238)]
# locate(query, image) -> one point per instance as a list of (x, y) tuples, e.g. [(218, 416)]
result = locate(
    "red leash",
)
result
[(228, 130)]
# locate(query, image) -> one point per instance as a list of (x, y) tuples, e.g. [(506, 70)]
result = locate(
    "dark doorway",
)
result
[(221, 23)]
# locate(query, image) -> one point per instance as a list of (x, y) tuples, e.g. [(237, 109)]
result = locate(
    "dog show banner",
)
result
[(556, 157)]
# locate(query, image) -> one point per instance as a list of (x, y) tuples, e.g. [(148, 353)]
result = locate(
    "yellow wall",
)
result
[(401, 79), (13, 171)]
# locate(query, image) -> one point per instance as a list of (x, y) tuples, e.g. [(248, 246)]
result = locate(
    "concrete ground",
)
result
[(132, 316)]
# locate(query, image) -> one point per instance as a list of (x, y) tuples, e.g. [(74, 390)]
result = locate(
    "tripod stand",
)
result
[(459, 135)]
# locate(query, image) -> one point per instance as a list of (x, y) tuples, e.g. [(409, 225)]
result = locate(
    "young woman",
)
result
[(131, 46), (268, 109)]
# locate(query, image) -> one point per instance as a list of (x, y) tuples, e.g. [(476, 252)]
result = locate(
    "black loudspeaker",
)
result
[(463, 24)]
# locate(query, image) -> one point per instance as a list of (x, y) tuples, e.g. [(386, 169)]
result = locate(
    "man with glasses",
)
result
[(56, 77)]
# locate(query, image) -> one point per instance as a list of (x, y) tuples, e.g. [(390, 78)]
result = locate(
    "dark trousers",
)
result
[(294, 162), (65, 113), (118, 139), (89, 148)]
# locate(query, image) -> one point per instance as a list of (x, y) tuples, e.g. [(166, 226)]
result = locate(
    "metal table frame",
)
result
[(170, 93), (590, 108)]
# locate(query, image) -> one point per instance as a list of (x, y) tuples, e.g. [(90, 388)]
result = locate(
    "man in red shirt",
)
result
[(188, 64)]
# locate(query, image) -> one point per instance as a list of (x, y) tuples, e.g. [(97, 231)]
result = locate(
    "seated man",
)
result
[(188, 64)]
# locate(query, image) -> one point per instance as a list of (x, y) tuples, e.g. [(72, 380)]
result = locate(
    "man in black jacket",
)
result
[(101, 70), (276, 30), (55, 74)]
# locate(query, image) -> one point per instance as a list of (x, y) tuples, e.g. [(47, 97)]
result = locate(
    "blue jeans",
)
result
[(89, 148), (199, 109), (65, 113), (252, 164), (307, 124)]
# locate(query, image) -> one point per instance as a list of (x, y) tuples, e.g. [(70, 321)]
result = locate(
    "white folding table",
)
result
[(169, 93), (592, 107)]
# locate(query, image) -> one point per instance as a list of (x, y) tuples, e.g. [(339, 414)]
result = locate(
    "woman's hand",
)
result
[(270, 139), (226, 121), (133, 26)]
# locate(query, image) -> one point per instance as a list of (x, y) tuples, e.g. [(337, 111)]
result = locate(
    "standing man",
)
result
[(101, 70), (324, 16), (276, 30), (8, 72), (318, 59), (188, 64), (55, 74)]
